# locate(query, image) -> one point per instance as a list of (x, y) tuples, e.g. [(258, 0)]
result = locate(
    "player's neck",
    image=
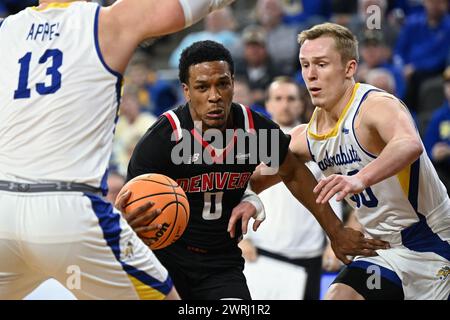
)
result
[(334, 110)]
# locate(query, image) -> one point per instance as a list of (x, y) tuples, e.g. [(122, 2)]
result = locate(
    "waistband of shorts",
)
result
[(59, 186)]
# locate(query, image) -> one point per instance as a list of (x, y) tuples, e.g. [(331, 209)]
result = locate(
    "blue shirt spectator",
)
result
[(3, 11), (423, 46), (438, 131), (301, 12), (219, 27), (437, 137), (163, 96), (407, 6)]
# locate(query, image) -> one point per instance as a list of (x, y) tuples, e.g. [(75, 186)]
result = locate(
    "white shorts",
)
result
[(423, 275), (79, 240)]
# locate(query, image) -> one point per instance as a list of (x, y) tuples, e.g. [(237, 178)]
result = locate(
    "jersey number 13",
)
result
[(23, 91)]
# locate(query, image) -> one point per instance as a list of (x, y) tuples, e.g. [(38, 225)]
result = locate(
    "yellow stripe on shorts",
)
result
[(144, 291)]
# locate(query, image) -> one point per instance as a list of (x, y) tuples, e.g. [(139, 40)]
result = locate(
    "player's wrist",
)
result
[(363, 179), (251, 197)]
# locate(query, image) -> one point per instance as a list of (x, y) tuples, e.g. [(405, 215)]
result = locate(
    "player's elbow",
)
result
[(415, 147)]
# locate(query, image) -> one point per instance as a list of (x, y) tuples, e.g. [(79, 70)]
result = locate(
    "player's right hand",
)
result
[(140, 218), (348, 242)]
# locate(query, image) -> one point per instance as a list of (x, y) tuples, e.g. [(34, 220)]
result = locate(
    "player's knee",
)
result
[(340, 291)]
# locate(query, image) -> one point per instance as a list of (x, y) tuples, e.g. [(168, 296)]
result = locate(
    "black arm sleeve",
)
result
[(152, 152)]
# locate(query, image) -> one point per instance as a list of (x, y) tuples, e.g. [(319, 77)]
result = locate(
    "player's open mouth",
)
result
[(314, 90), (215, 114)]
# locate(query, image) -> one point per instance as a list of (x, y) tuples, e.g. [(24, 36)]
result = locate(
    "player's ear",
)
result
[(350, 68), (186, 93)]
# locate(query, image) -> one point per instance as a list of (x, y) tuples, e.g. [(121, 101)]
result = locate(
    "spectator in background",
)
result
[(3, 11), (408, 7), (155, 95), (243, 95), (280, 38), (375, 54), (423, 46), (256, 67), (219, 27), (343, 11), (303, 240), (363, 21), (382, 79), (131, 126), (437, 137), (305, 13)]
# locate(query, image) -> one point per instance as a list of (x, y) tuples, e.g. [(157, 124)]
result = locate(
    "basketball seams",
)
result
[(159, 182), (176, 200), (152, 195), (176, 196)]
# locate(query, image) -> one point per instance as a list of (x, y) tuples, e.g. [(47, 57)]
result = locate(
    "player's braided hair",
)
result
[(202, 51)]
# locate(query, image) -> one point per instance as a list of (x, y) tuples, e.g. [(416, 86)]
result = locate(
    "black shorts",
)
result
[(205, 276), (360, 277)]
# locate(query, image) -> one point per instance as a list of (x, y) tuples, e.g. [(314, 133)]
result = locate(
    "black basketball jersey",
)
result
[(213, 168)]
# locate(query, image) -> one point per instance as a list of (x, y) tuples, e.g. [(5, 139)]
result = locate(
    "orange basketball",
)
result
[(167, 196)]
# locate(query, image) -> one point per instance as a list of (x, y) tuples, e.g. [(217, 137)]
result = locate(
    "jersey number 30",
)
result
[(369, 201), (23, 91)]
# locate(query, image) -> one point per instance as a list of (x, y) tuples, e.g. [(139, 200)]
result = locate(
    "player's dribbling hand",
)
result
[(353, 243), (139, 219), (338, 184), (243, 211)]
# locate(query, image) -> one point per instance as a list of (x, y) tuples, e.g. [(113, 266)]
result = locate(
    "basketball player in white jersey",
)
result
[(62, 64), (365, 142)]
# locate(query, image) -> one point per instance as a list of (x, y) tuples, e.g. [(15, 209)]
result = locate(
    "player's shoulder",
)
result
[(298, 131), (377, 101), (259, 120)]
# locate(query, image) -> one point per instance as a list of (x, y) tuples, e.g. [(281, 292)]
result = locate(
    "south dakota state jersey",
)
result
[(58, 99), (214, 176), (410, 209)]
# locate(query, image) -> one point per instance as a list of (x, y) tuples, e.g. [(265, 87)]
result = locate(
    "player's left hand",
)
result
[(243, 211), (338, 184)]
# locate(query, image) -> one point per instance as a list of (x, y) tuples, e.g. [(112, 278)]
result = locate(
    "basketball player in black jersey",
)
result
[(211, 146)]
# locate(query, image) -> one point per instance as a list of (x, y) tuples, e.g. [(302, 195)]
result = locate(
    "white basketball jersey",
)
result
[(58, 99), (410, 209)]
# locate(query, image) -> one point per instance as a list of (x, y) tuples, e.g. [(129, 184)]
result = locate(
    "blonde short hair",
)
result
[(346, 43)]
